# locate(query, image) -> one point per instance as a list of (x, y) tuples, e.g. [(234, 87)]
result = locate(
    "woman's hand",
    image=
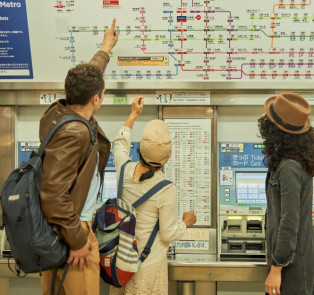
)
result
[(189, 218), (137, 107), (273, 281)]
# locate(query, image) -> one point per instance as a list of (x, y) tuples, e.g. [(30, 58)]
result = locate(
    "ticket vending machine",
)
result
[(242, 202), (109, 189), (24, 151)]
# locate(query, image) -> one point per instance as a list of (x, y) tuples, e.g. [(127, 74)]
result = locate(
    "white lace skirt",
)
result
[(151, 279)]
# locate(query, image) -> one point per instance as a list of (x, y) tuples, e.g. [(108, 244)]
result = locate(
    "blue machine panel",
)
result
[(133, 155), (110, 182), (242, 174), (25, 149), (110, 177)]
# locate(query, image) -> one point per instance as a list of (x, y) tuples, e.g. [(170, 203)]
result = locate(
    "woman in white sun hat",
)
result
[(139, 177), (289, 155)]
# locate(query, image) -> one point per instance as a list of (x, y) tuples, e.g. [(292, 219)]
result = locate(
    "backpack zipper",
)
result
[(21, 173), (29, 215)]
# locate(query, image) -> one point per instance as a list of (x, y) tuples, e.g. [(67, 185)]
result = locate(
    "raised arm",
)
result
[(137, 107), (122, 141), (110, 39)]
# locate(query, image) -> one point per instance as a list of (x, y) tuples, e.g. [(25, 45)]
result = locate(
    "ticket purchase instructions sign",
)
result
[(15, 52)]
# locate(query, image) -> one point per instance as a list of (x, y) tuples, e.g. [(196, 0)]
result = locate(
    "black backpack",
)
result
[(34, 244)]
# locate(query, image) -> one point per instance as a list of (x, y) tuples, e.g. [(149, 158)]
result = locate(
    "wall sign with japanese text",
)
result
[(15, 52)]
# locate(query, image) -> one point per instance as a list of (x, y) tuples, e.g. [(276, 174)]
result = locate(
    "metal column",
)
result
[(186, 288), (7, 130)]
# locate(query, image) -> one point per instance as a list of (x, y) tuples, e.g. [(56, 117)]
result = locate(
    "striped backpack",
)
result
[(114, 227)]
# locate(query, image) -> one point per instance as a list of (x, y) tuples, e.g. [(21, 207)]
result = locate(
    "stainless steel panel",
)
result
[(7, 128), (188, 112), (186, 288), (208, 288), (201, 287), (218, 273), (279, 85), (5, 272), (214, 165), (218, 97), (18, 97), (5, 286)]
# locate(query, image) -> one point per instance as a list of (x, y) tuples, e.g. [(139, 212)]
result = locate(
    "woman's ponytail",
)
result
[(150, 173)]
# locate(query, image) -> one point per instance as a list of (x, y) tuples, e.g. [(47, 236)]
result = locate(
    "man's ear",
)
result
[(94, 99)]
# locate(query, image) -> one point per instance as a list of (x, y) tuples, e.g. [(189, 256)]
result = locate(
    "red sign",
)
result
[(111, 3), (198, 17)]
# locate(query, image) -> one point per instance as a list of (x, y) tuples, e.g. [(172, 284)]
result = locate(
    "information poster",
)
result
[(15, 53), (183, 97), (189, 166)]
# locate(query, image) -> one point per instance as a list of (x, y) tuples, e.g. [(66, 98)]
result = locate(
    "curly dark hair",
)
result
[(82, 82), (282, 145)]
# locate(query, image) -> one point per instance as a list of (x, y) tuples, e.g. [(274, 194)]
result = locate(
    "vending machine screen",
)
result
[(110, 186), (250, 187)]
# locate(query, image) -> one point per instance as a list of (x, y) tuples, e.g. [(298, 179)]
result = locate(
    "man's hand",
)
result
[(110, 38), (80, 257)]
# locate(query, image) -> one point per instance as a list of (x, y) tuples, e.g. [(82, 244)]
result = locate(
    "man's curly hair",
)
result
[(82, 82), (282, 145)]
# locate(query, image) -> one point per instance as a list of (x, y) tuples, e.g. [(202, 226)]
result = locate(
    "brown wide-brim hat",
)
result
[(155, 145), (289, 112)]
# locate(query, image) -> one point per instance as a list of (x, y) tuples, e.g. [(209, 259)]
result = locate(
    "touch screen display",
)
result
[(110, 186), (250, 187)]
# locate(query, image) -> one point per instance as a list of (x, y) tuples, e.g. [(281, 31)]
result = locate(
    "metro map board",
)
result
[(15, 53), (172, 40)]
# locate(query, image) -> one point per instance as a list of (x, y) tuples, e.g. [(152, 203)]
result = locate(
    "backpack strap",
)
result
[(120, 185), (160, 185), (138, 203), (64, 120), (54, 278), (150, 242)]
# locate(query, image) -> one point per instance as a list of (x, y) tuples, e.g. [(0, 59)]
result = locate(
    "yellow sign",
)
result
[(143, 61)]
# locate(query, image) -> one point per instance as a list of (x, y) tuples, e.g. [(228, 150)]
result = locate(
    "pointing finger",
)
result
[(113, 25)]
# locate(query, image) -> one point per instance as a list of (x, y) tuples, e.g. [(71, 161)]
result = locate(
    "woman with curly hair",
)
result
[(289, 155)]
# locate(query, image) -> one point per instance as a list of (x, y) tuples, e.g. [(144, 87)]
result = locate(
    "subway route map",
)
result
[(177, 40)]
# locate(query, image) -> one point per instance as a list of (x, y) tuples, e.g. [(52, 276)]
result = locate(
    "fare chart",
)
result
[(189, 166)]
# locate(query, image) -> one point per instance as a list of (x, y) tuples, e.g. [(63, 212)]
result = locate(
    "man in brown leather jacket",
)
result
[(70, 181)]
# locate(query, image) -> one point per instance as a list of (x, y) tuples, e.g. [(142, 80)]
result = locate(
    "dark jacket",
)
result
[(67, 172), (289, 231)]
